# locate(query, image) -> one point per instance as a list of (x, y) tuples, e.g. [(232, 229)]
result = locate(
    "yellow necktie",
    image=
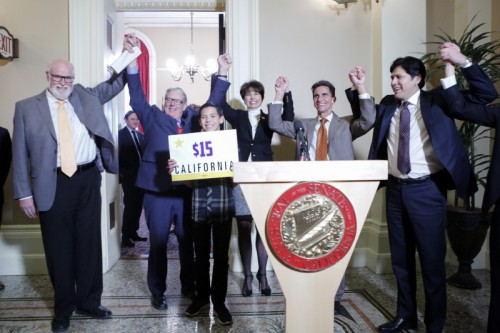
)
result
[(68, 163), (322, 142)]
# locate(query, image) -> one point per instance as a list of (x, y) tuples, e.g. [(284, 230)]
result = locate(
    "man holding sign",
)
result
[(213, 210), (164, 202)]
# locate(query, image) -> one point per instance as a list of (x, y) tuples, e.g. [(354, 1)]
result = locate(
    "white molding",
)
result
[(137, 5), (21, 250), (90, 54), (176, 19), (242, 17)]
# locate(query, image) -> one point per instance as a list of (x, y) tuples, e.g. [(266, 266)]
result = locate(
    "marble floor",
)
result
[(370, 300), (26, 304)]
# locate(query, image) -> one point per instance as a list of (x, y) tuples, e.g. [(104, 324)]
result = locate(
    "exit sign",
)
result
[(8, 45)]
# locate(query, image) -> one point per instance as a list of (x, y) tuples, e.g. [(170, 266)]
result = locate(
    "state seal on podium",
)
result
[(311, 226)]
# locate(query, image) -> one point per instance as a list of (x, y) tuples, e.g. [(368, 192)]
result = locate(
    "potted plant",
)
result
[(467, 224)]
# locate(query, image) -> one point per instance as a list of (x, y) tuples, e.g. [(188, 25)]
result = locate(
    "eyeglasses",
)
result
[(173, 101), (59, 78)]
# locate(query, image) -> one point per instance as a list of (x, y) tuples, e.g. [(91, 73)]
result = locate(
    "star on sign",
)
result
[(178, 143)]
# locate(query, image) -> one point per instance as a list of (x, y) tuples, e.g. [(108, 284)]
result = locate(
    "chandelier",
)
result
[(345, 2), (190, 66)]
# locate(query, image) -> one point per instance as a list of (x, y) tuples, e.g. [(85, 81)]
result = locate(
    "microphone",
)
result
[(300, 137)]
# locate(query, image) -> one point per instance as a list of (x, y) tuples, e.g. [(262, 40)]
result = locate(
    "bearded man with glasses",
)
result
[(60, 139)]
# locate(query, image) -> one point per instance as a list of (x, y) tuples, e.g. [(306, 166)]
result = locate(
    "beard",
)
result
[(60, 91)]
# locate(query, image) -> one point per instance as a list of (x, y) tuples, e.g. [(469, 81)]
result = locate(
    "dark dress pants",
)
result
[(220, 234), (494, 312), (71, 233), (132, 200), (161, 210), (416, 219)]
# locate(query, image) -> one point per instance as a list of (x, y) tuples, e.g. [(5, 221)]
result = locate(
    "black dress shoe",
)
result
[(159, 302), (138, 238), (397, 325), (99, 312), (60, 324), (127, 242)]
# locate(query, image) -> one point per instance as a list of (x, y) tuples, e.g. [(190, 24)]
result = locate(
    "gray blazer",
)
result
[(35, 142), (342, 131)]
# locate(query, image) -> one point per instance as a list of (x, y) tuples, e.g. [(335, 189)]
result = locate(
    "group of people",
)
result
[(413, 130)]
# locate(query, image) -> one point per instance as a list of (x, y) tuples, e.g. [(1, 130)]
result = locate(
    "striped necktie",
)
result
[(404, 164)]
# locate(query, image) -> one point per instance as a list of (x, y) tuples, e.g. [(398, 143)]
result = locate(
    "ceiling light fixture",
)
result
[(190, 67)]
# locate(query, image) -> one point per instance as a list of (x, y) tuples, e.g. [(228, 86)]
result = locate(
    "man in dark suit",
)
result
[(420, 171), (165, 202), (463, 109), (130, 143), (57, 136), (6, 153)]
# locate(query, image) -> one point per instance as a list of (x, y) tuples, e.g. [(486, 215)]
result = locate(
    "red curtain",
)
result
[(143, 63)]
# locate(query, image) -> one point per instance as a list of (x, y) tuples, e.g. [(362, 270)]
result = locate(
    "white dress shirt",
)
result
[(423, 160), (83, 142)]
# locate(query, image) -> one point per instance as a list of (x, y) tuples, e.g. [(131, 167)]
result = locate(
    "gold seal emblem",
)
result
[(311, 226)]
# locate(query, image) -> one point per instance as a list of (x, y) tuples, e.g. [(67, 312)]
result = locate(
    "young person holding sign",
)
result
[(212, 213)]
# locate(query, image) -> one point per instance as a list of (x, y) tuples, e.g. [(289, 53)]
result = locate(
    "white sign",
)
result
[(6, 44), (203, 155)]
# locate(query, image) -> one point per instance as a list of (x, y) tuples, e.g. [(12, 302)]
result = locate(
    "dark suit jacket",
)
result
[(6, 159), (443, 133), (35, 140), (260, 145), (460, 108), (153, 174), (128, 157)]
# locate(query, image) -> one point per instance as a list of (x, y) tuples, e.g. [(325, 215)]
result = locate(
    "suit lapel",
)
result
[(260, 124), (77, 107), (44, 110), (333, 128), (426, 110), (310, 124), (247, 125), (387, 115)]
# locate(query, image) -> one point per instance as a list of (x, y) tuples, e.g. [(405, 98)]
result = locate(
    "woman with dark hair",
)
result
[(254, 144)]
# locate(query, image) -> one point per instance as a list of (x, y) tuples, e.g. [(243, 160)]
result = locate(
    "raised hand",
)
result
[(281, 87), (224, 61), (129, 41), (451, 53), (357, 77)]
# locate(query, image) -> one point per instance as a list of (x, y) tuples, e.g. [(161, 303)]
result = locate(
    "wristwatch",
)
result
[(466, 63)]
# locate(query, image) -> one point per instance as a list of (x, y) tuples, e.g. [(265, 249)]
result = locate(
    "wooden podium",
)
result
[(309, 293)]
